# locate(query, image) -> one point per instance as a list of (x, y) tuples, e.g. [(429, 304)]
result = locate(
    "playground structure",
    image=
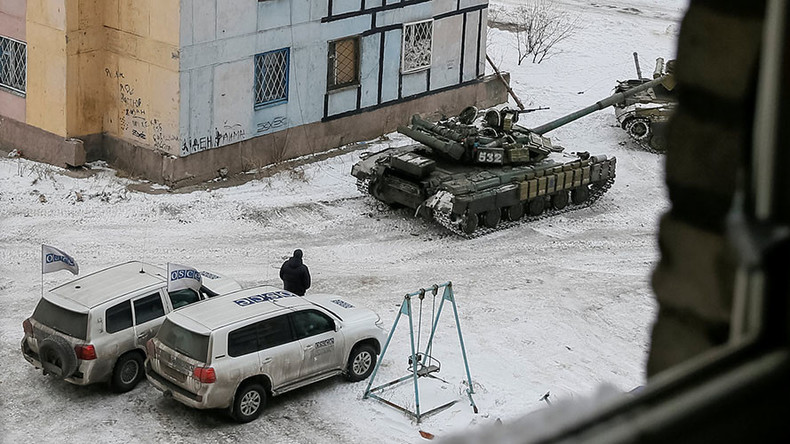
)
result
[(422, 364)]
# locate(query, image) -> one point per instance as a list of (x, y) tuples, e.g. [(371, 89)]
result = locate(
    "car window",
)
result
[(119, 317), (184, 341), (259, 336), (274, 332), (62, 320), (243, 341), (183, 297), (148, 308), (310, 323)]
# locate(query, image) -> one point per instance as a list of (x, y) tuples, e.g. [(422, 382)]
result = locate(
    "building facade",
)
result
[(177, 90)]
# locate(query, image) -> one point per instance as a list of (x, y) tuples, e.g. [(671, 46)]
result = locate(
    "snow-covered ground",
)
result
[(561, 305)]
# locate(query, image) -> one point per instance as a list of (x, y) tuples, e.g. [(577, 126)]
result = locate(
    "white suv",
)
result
[(237, 350), (94, 328)]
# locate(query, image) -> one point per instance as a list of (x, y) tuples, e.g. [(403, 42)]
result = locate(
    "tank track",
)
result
[(595, 194)]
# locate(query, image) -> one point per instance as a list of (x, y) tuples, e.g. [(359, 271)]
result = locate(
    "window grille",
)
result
[(13, 64), (417, 46), (343, 63), (271, 77)]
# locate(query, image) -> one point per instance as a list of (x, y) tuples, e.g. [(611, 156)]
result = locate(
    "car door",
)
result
[(280, 353), (149, 312), (321, 345)]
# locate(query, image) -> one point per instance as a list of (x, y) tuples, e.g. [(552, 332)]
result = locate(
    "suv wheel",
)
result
[(127, 373), (361, 363), (249, 401), (58, 357)]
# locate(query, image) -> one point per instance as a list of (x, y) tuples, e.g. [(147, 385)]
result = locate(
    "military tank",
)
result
[(480, 171), (644, 116)]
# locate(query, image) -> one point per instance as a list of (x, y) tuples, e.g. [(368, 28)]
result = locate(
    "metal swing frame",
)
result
[(418, 368)]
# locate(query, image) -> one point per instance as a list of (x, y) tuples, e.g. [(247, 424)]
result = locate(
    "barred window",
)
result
[(417, 46), (13, 64), (271, 77), (343, 63)]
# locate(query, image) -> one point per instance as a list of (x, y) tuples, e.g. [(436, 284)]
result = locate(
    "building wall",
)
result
[(219, 40), (12, 24), (138, 73)]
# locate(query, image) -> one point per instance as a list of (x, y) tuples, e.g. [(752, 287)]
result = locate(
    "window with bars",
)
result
[(13, 64), (343, 63), (271, 77), (417, 46)]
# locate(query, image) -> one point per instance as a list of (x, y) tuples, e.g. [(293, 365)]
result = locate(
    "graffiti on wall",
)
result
[(133, 121), (229, 133), (273, 124)]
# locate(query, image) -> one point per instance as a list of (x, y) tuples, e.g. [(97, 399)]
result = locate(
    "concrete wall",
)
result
[(138, 74), (306, 139), (219, 40), (12, 24)]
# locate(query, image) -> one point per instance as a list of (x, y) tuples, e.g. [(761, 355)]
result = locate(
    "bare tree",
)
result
[(539, 26)]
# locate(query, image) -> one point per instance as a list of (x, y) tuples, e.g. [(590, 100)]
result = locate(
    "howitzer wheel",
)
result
[(536, 206), (559, 200), (492, 217), (515, 211), (469, 223), (580, 194)]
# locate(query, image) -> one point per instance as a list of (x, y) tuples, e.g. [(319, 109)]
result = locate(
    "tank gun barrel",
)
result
[(601, 104)]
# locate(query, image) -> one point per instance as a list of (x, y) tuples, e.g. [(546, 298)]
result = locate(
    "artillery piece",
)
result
[(481, 171)]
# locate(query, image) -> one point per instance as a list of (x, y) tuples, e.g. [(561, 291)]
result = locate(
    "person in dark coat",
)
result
[(295, 275)]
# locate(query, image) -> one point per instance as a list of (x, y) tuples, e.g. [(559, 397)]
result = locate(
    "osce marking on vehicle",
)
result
[(325, 343), (209, 275), (184, 274), (342, 303), (58, 258), (263, 297)]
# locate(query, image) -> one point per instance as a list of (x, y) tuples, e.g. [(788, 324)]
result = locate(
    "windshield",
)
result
[(184, 341), (65, 321)]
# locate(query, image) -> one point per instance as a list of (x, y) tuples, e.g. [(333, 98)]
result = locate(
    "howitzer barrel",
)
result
[(601, 104)]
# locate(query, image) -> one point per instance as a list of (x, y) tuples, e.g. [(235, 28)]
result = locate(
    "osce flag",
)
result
[(53, 259), (180, 277)]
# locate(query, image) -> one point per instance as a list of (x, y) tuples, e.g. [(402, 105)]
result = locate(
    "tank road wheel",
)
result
[(559, 200), (515, 211), (580, 194), (536, 206), (638, 128), (469, 223), (491, 217)]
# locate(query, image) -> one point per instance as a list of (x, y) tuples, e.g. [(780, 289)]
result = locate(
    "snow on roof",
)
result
[(109, 283)]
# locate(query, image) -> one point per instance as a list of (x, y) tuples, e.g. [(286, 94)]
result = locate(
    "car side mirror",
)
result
[(337, 326)]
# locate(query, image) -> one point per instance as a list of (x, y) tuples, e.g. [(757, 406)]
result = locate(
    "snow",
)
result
[(561, 305)]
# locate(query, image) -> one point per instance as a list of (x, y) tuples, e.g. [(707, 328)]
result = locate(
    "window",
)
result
[(13, 64), (310, 323), (184, 341), (343, 63), (148, 308), (119, 317), (65, 321), (183, 297), (259, 336), (243, 341), (271, 77), (417, 45)]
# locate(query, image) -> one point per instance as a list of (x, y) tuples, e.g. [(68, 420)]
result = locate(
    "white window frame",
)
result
[(12, 88), (404, 69)]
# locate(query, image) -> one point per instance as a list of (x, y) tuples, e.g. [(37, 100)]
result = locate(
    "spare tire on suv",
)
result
[(58, 357)]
